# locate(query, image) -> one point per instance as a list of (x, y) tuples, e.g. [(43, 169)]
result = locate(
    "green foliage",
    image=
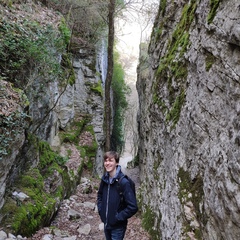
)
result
[(134, 162), (65, 31), (214, 4), (86, 18), (120, 91), (27, 45)]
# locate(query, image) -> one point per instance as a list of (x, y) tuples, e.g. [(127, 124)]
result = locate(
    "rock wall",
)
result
[(50, 105), (81, 99), (13, 122), (189, 91)]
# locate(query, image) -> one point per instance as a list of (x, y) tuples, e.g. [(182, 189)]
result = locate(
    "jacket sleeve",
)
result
[(99, 196), (130, 202)]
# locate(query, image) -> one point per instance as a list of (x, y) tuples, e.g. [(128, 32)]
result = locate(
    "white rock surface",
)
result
[(204, 144)]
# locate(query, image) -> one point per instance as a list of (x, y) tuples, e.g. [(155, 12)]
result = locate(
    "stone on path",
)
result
[(47, 237), (72, 214), (101, 226), (86, 229), (89, 205), (3, 235)]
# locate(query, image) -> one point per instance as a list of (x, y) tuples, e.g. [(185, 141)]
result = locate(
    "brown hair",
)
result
[(111, 154)]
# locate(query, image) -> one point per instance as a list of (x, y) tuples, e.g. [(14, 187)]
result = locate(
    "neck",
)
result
[(112, 173)]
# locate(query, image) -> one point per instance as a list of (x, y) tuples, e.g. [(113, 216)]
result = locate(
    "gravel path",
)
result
[(78, 219)]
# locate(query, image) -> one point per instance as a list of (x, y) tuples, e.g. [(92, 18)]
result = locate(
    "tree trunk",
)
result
[(108, 112)]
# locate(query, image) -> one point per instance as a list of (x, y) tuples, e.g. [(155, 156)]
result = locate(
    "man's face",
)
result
[(110, 164)]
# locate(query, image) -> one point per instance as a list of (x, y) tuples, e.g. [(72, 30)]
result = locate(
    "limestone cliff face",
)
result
[(189, 129), (45, 105), (85, 97), (13, 124)]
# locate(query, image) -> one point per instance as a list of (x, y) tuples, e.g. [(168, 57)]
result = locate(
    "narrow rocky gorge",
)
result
[(52, 126)]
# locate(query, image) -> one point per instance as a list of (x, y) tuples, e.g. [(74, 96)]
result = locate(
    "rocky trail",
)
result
[(78, 218)]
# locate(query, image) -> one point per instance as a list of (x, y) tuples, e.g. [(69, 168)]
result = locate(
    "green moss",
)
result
[(209, 61), (173, 67), (69, 73), (163, 4), (160, 103), (192, 190), (32, 180), (73, 134), (214, 4), (97, 88), (174, 114), (177, 46), (148, 223), (90, 150), (47, 156), (26, 217)]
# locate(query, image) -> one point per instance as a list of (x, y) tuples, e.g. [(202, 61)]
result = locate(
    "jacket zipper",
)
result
[(107, 204)]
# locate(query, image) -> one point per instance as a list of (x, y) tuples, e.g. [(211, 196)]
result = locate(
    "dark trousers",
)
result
[(115, 234)]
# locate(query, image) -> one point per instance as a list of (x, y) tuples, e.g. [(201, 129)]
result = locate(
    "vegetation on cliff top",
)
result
[(25, 45)]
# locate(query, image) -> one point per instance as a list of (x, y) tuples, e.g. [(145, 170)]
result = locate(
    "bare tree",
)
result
[(108, 82)]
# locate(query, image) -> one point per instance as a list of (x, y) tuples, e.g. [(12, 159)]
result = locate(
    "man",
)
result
[(113, 212)]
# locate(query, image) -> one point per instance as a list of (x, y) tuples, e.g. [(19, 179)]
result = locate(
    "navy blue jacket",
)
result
[(112, 212)]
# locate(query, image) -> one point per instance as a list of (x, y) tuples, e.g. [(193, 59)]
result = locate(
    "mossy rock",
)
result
[(149, 218)]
